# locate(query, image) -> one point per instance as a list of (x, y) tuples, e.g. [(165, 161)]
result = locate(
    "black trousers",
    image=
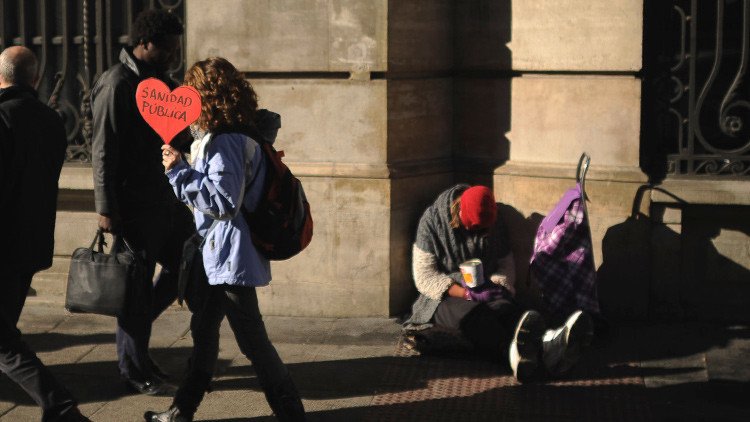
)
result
[(19, 362), (240, 306), (488, 326), (157, 234)]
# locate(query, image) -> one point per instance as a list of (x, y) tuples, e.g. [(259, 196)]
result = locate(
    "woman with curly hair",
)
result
[(228, 172)]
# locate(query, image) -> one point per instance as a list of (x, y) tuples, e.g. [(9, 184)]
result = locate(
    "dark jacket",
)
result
[(126, 152), (32, 151)]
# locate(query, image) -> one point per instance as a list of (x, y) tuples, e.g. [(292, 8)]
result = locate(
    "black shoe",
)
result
[(171, 415), (150, 387)]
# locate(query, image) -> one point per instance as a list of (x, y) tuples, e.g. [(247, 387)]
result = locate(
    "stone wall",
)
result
[(547, 81), (385, 103), (366, 125)]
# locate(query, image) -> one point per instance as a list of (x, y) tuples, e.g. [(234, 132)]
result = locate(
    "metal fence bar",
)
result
[(692, 121), (705, 83), (75, 41)]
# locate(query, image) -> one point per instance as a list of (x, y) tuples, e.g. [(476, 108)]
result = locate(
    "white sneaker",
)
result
[(526, 345), (563, 347)]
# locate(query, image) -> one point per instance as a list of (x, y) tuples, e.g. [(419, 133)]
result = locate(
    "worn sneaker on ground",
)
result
[(526, 345), (563, 346)]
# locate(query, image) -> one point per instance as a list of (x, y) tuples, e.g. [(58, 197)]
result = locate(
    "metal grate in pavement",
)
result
[(443, 389)]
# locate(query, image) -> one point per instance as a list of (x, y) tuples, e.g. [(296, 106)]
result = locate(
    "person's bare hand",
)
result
[(169, 157), (110, 223)]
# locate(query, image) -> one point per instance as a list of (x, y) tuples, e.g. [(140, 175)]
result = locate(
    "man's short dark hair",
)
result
[(154, 25)]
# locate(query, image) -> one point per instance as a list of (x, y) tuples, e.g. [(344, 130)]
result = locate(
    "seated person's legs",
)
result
[(499, 329), (488, 326)]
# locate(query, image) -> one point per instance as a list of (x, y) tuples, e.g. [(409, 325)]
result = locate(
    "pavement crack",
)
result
[(180, 337), (67, 317)]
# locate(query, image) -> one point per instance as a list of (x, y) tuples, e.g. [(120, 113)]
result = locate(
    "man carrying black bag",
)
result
[(132, 195), (32, 150)]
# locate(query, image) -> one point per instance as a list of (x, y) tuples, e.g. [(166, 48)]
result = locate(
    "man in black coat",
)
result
[(133, 196), (32, 150)]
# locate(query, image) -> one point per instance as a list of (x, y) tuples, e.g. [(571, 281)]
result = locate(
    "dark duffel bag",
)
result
[(105, 284)]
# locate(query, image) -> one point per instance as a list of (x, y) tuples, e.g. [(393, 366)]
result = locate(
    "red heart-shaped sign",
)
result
[(167, 112)]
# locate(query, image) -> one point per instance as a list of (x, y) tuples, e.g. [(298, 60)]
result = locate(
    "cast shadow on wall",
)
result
[(521, 232), (653, 269), (481, 102), (482, 89), (482, 98), (650, 271)]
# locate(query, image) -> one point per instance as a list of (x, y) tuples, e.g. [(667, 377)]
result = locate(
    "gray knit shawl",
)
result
[(454, 246), (451, 247)]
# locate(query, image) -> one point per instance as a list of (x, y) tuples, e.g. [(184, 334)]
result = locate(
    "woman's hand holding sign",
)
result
[(169, 157)]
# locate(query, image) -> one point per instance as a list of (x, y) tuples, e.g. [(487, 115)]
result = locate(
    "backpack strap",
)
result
[(253, 133)]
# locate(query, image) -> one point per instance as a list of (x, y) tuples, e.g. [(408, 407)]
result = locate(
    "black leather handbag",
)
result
[(105, 284)]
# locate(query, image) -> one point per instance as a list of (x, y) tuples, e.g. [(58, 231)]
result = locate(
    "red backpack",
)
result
[(281, 225)]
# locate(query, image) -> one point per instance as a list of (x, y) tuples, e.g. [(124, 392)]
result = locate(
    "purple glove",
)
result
[(486, 293)]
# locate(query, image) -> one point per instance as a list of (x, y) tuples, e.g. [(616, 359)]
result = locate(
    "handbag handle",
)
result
[(99, 236), (118, 243)]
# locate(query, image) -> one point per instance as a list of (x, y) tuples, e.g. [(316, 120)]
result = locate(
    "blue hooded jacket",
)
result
[(228, 171)]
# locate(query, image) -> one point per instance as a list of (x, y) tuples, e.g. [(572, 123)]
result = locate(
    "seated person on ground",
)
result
[(461, 225)]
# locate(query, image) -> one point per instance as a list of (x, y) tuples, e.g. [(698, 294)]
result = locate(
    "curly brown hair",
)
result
[(228, 101)]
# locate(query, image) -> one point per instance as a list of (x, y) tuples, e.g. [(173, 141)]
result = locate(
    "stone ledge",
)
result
[(80, 178), (568, 171), (76, 177), (707, 191), (371, 171)]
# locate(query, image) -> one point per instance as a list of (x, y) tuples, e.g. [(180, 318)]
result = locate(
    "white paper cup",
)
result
[(473, 272)]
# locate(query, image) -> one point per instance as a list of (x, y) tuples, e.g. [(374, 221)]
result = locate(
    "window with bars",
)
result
[(75, 41), (696, 92)]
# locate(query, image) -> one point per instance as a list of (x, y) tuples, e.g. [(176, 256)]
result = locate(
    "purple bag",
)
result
[(562, 263)]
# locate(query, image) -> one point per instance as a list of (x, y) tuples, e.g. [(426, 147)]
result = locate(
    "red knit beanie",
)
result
[(478, 209)]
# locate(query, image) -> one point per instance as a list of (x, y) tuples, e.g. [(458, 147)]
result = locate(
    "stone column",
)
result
[(366, 109)]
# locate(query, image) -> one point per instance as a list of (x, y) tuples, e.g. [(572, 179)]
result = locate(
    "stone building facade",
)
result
[(385, 103)]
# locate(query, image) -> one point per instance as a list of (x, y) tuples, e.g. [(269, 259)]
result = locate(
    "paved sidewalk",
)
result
[(356, 369)]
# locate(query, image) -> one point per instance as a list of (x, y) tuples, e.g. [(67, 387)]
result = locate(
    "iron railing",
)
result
[(75, 41), (700, 76)]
